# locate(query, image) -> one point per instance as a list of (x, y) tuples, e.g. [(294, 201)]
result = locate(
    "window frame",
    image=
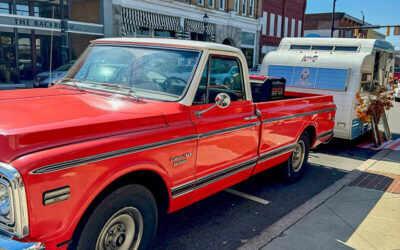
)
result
[(299, 28), (223, 4), (272, 24), (207, 66), (244, 10), (200, 2), (293, 28), (251, 8), (279, 26), (211, 5)]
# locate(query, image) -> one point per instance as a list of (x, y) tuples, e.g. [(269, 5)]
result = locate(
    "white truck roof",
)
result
[(170, 43)]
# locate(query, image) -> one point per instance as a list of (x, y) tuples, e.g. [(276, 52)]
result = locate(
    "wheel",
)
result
[(297, 162), (126, 219), (397, 99)]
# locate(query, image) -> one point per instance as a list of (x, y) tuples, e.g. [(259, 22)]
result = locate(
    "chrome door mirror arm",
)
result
[(222, 100)]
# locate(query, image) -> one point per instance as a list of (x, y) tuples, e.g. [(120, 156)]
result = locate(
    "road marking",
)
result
[(247, 196)]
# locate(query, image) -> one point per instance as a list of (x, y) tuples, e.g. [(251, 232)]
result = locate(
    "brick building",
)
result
[(319, 25), (280, 18)]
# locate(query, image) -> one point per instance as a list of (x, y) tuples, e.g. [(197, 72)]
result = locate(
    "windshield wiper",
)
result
[(74, 81), (123, 88)]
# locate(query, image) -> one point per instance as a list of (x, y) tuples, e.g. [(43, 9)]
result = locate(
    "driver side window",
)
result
[(222, 74)]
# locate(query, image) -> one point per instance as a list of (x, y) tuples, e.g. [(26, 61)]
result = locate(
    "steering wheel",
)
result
[(168, 83)]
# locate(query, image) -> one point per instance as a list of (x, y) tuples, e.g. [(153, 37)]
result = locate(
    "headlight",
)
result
[(13, 204), (5, 208)]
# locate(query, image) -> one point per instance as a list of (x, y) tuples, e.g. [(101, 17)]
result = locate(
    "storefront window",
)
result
[(248, 38), (197, 36), (7, 58), (164, 33), (5, 8), (249, 54), (143, 32)]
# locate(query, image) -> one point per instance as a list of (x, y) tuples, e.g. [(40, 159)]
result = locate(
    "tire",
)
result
[(125, 219), (295, 166), (397, 99)]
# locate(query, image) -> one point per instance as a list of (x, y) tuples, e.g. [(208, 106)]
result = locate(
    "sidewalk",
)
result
[(360, 211)]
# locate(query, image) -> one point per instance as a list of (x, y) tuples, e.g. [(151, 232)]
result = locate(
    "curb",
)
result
[(297, 214)]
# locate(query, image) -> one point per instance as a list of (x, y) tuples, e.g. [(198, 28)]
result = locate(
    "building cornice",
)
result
[(190, 11)]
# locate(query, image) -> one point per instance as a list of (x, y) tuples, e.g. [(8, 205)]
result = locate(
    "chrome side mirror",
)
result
[(222, 100)]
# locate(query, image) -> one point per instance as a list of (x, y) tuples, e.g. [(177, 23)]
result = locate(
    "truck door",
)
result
[(228, 137)]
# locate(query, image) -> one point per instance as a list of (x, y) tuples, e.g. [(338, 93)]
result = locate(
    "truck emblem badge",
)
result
[(179, 160)]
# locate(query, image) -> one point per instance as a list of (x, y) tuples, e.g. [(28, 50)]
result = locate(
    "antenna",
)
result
[(51, 48)]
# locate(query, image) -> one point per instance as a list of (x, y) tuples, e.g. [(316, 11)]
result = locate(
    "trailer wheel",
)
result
[(297, 162), (125, 219)]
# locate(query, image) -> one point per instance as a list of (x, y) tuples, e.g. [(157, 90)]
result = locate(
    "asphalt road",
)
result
[(226, 220)]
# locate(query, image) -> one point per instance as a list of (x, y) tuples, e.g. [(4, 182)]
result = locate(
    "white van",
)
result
[(337, 66)]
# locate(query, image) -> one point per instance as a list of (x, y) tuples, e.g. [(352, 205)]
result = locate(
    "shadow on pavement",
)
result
[(348, 148)]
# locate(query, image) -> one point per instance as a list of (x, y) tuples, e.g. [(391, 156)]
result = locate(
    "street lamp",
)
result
[(333, 18), (205, 21)]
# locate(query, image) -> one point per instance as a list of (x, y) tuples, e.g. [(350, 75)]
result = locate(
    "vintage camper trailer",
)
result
[(337, 66)]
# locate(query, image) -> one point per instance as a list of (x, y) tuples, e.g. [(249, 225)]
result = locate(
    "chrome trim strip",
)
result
[(7, 242), (56, 195), (276, 152), (325, 134), (227, 130), (182, 189), (297, 115), (99, 157), (211, 178)]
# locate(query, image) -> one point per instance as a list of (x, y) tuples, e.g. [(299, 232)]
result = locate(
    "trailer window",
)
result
[(346, 48), (322, 48), (300, 47)]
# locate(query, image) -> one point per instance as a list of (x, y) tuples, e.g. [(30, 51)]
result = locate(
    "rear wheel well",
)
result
[(311, 134), (148, 179)]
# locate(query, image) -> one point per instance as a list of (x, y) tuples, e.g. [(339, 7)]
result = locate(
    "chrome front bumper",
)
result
[(10, 244)]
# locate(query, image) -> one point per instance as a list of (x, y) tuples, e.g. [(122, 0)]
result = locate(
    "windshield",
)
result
[(154, 73)]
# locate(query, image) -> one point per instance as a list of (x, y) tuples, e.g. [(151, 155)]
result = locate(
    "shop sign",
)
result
[(39, 23)]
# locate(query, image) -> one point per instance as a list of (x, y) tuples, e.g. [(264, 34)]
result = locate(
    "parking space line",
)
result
[(247, 196)]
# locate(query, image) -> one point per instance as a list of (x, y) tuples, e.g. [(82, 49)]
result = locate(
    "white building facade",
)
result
[(183, 20)]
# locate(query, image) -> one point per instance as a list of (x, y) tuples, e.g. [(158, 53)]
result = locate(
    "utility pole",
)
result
[(333, 18), (64, 34), (16, 56), (363, 23)]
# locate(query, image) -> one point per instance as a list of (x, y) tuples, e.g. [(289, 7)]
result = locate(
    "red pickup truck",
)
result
[(137, 128)]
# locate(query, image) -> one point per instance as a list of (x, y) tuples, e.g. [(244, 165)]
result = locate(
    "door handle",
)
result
[(253, 117)]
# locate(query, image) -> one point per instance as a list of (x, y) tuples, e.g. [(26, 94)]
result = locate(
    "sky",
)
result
[(382, 12)]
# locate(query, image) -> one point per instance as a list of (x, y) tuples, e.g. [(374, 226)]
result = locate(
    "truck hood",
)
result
[(36, 119)]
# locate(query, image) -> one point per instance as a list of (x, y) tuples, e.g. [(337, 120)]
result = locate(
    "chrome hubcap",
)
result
[(298, 156), (123, 231)]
